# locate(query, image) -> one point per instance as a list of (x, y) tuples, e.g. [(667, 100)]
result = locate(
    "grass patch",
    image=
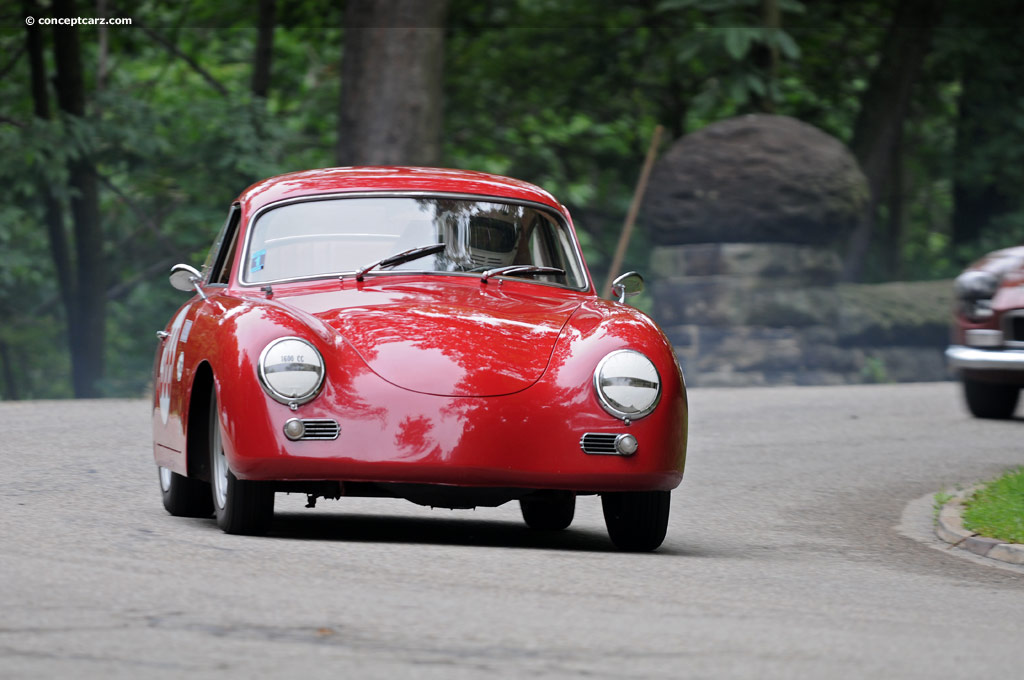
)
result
[(997, 510)]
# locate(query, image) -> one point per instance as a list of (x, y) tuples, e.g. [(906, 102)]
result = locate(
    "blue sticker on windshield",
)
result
[(259, 258)]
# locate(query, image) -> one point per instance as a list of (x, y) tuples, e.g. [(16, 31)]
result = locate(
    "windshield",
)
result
[(331, 237)]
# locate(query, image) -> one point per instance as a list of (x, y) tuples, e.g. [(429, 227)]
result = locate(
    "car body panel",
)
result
[(405, 332)]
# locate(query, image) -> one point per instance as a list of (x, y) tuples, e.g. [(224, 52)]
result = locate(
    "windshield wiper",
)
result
[(527, 269), (401, 258)]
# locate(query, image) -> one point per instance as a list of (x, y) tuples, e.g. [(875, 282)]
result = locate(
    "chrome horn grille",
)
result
[(608, 444), (599, 444), (317, 428)]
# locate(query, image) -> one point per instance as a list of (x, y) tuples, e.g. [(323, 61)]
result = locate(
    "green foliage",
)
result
[(997, 509), (171, 151), (874, 371)]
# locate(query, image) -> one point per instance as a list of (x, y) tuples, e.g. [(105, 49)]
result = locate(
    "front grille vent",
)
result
[(316, 428), (599, 444)]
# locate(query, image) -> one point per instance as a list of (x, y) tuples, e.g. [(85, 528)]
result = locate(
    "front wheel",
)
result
[(183, 496), (241, 507), (637, 520), (991, 400), (548, 510)]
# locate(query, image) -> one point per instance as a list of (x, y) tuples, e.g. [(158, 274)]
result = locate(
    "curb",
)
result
[(950, 528)]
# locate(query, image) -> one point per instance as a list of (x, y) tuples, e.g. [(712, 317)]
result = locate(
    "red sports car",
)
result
[(988, 333), (415, 333)]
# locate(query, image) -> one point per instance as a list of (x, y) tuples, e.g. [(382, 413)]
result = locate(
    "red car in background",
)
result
[(416, 333), (987, 351)]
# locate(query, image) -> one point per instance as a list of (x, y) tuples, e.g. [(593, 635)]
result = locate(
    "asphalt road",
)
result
[(799, 547)]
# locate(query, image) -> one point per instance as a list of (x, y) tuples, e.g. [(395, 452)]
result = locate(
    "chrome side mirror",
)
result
[(628, 285), (187, 279)]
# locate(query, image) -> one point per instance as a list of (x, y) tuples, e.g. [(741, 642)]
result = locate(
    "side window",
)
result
[(551, 246), (218, 264), (543, 246)]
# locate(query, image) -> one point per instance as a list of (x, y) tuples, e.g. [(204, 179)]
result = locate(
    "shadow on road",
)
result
[(436, 531)]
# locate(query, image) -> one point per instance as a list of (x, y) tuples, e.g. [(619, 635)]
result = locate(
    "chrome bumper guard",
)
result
[(971, 358)]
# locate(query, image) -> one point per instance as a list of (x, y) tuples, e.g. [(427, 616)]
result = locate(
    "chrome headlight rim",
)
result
[(976, 284), (269, 389), (606, 403)]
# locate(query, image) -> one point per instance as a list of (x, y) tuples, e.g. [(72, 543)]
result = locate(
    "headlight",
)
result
[(975, 290), (291, 370), (627, 384)]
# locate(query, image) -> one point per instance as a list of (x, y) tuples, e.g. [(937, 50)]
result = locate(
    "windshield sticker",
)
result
[(259, 258)]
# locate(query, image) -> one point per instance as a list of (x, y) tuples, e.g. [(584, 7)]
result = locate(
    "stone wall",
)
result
[(772, 314)]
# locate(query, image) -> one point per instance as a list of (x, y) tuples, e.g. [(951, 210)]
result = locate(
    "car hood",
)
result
[(447, 339)]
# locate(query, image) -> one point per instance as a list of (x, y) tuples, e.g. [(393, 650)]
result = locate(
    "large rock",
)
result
[(755, 179)]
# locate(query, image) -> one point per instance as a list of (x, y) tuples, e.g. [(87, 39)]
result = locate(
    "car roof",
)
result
[(389, 179)]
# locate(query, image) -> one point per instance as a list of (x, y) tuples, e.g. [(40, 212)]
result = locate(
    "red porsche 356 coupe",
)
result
[(415, 333)]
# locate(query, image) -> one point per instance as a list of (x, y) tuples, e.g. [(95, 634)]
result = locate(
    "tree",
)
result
[(390, 110), (79, 266), (878, 130)]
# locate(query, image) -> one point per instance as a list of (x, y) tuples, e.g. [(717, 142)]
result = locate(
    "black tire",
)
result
[(991, 400), (637, 520), (183, 496), (548, 510), (241, 507)]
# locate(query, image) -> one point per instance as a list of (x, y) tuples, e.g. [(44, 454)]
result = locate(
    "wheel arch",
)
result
[(197, 437)]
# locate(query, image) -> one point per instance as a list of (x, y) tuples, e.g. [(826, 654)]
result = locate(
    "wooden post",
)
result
[(634, 208)]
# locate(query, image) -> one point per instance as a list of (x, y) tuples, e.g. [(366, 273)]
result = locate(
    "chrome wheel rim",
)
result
[(165, 479), (220, 461)]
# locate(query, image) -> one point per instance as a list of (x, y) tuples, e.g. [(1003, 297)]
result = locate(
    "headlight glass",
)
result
[(975, 290), (627, 384), (291, 370)]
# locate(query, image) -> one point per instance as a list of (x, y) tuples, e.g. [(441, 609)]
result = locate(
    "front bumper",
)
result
[(527, 440), (963, 358)]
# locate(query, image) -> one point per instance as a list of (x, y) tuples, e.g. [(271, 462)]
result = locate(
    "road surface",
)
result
[(799, 546)]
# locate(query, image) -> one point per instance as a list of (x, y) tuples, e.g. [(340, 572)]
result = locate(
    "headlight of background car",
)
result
[(291, 370), (627, 384), (975, 290)]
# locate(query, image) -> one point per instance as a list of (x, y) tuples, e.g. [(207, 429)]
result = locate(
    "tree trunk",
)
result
[(54, 213), (7, 368), (264, 57), (883, 109), (766, 59), (87, 326), (103, 53), (896, 216), (390, 111)]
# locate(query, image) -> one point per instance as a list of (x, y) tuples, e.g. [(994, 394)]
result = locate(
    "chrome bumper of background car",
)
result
[(971, 358)]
